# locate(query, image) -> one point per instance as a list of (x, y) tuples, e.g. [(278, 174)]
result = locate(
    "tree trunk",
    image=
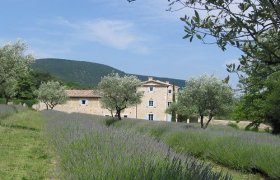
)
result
[(47, 106), (201, 122), (210, 118), (119, 114), (6, 100)]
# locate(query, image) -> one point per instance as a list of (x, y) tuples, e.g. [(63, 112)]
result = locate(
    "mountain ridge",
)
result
[(86, 73)]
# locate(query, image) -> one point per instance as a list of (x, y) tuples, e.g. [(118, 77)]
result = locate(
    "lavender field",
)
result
[(136, 148), (88, 149), (246, 151)]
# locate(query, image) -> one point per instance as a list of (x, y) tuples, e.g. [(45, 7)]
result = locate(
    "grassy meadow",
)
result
[(56, 145), (24, 153)]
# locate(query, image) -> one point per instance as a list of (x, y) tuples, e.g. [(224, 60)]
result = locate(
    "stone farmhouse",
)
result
[(157, 96)]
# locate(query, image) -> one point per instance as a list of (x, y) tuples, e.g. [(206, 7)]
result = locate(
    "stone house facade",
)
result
[(157, 96)]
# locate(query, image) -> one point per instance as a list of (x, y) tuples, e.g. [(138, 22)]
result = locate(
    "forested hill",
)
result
[(85, 73)]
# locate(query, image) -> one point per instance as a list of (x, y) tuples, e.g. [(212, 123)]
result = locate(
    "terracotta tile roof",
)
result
[(82, 93)]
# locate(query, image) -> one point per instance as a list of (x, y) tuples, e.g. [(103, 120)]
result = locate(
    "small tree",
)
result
[(51, 93), (205, 96), (119, 92)]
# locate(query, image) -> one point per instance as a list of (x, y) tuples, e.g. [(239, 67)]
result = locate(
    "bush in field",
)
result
[(233, 125), (90, 150), (118, 93), (51, 93)]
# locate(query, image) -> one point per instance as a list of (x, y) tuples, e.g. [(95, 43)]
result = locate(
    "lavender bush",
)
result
[(88, 149), (242, 150)]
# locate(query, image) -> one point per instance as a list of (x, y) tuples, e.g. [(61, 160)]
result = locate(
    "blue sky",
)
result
[(139, 37)]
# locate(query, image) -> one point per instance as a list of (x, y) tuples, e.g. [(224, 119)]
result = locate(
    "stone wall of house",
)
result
[(160, 95)]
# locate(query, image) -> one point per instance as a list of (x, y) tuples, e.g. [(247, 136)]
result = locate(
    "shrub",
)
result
[(233, 125)]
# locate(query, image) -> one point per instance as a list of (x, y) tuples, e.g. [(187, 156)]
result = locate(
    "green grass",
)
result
[(23, 151)]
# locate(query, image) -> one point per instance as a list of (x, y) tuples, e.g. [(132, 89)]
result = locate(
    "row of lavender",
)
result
[(88, 149), (6, 110), (237, 149)]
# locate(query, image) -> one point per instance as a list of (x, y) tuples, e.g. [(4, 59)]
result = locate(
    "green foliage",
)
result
[(109, 122), (118, 93), (272, 102), (28, 102), (204, 96), (239, 24), (233, 125), (51, 93), (8, 89), (86, 74), (14, 65), (252, 27)]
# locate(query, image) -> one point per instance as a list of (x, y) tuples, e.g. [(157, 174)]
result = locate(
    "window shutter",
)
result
[(155, 104), (146, 117)]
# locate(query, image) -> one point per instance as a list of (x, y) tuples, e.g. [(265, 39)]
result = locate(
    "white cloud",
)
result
[(117, 34), (114, 33)]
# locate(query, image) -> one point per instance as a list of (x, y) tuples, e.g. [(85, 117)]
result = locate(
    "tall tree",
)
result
[(14, 64), (51, 93), (119, 92), (204, 96)]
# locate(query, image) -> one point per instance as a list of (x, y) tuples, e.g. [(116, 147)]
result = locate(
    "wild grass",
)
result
[(89, 149), (241, 150), (23, 150)]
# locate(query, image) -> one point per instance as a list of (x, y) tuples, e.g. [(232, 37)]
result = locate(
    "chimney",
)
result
[(167, 82), (150, 78)]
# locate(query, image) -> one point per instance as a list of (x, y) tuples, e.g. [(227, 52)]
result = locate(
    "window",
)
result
[(151, 117), (83, 102), (169, 91), (125, 116), (151, 88), (169, 103), (151, 103)]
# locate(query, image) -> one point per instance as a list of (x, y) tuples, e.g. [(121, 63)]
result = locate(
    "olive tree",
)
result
[(119, 92), (204, 96), (51, 93), (14, 64)]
